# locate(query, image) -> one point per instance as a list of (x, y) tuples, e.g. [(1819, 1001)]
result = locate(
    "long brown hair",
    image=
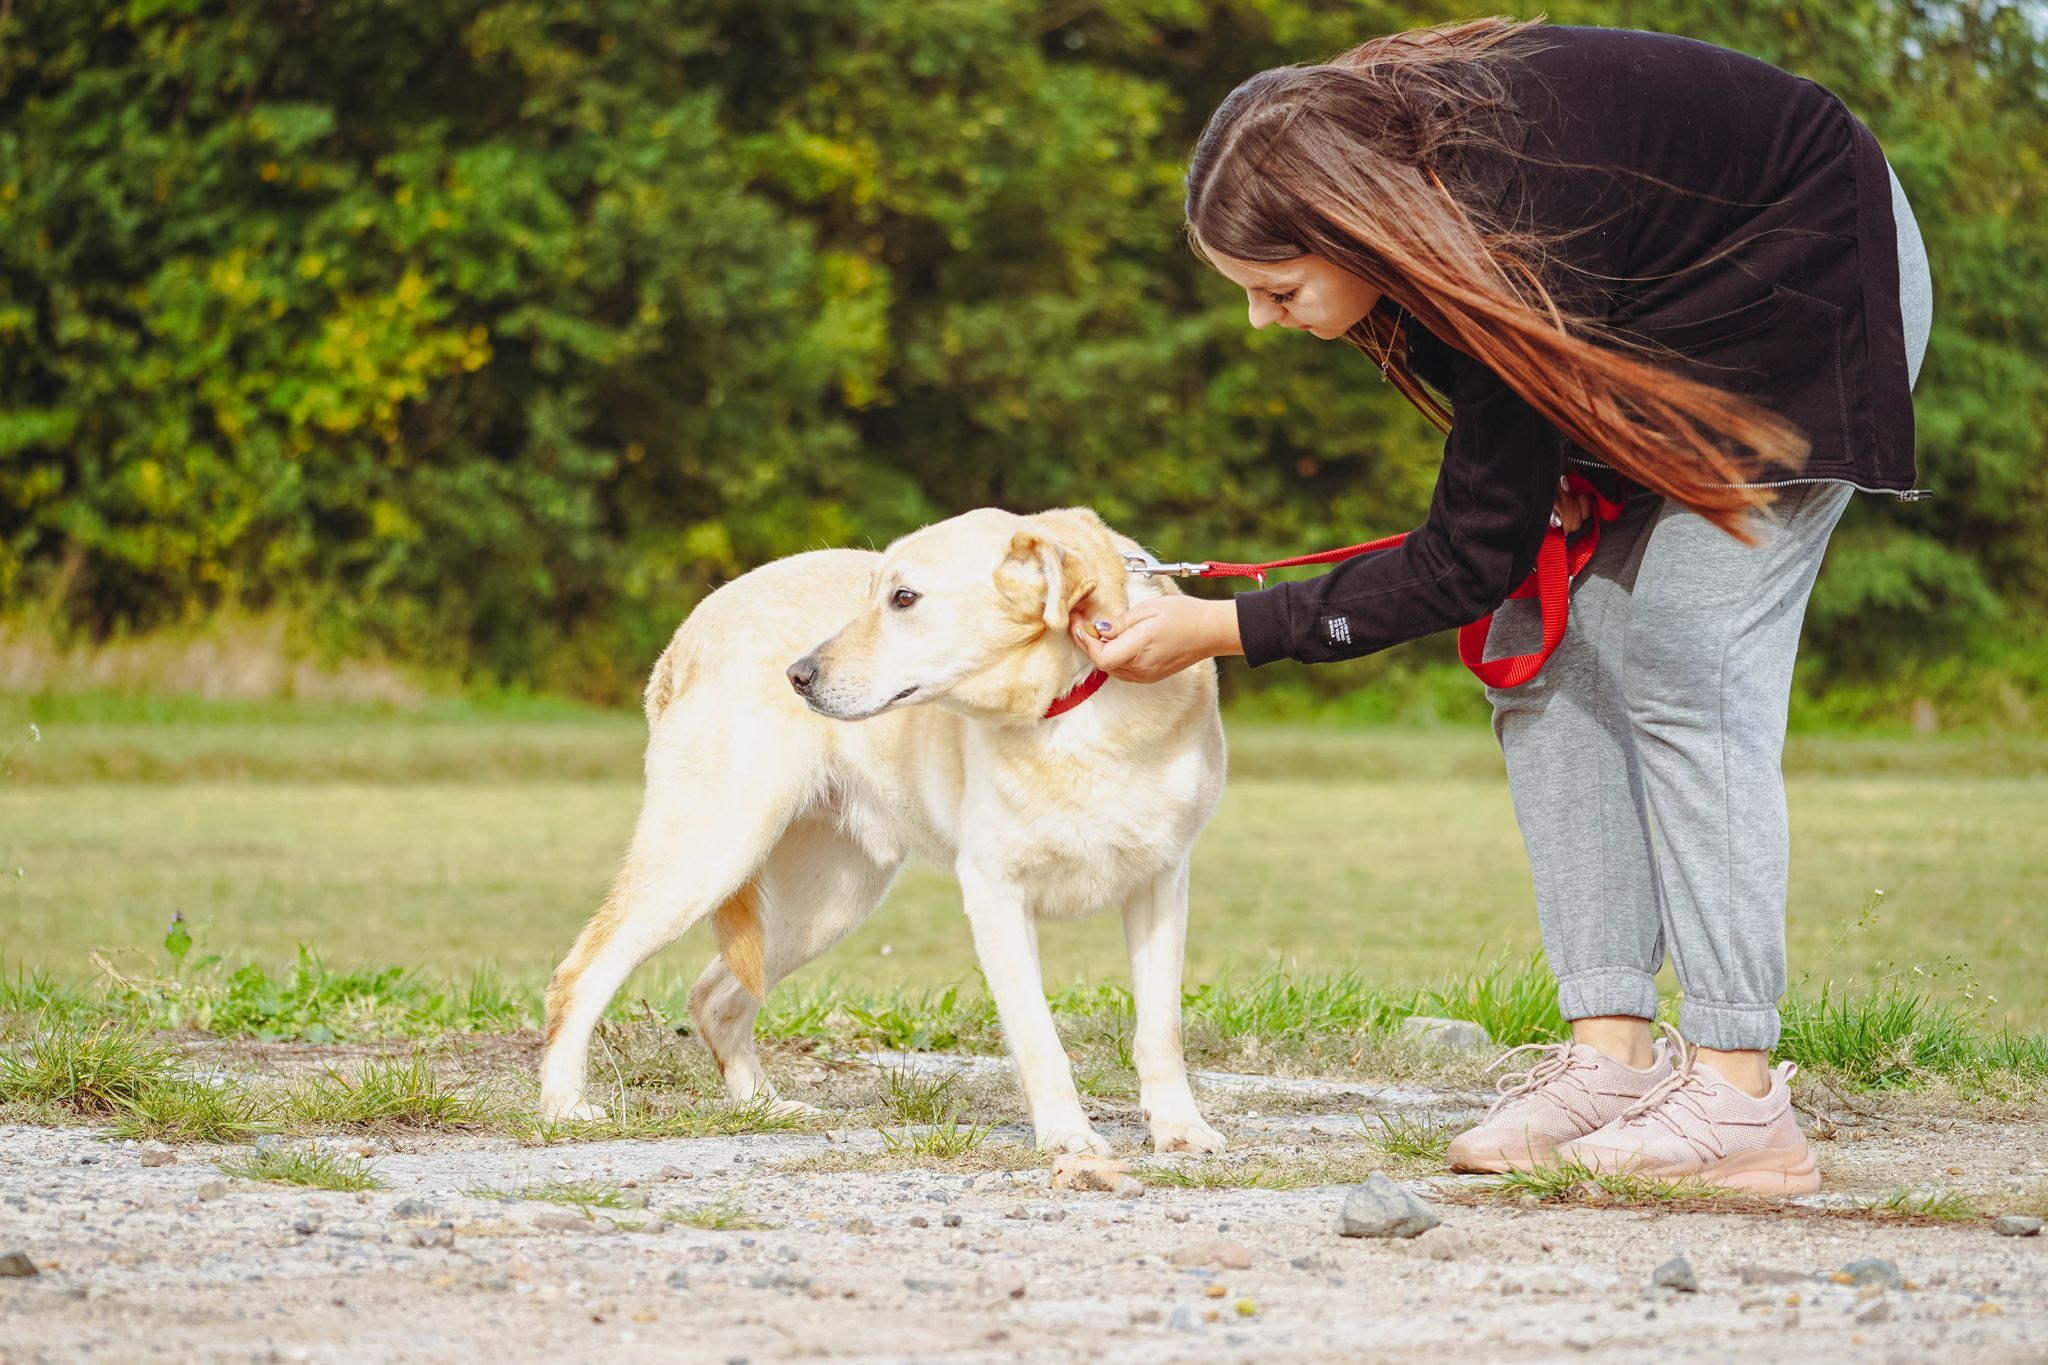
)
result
[(1361, 161)]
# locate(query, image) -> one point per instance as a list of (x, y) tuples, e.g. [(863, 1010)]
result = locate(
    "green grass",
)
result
[(1277, 1173), (916, 1099), (189, 1110), (444, 844), (90, 1068), (721, 1215), (943, 1140), (1573, 1182), (386, 1093), (1417, 1141), (1950, 1206), (641, 1118), (308, 1166), (576, 1194)]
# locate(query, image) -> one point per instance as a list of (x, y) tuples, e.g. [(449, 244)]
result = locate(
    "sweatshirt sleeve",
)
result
[(1486, 521)]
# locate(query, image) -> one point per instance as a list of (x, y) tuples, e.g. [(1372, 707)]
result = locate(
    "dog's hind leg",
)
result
[(696, 849), (1155, 932), (815, 887)]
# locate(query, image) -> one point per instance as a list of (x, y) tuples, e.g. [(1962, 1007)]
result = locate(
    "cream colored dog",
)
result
[(767, 810)]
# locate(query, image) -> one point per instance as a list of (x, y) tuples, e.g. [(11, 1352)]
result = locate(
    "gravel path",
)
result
[(175, 1261)]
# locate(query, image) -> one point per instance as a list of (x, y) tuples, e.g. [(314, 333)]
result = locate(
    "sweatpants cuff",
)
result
[(1728, 1028), (1608, 990)]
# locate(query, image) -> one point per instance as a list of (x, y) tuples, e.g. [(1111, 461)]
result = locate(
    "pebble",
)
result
[(16, 1265), (268, 1142), (1871, 1270), (671, 1173), (951, 1220), (1053, 1216), (1176, 1215), (1183, 1320), (214, 1189), (1461, 1034), (413, 1208), (306, 1224), (553, 1221), (920, 1221), (159, 1158), (1128, 1187), (860, 1225), (1881, 1311), (1228, 1255), (678, 1278), (788, 1281), (917, 1286), (2016, 1225), (442, 1236), (1382, 1208), (1015, 1211), (1314, 1260), (1676, 1273), (88, 1158)]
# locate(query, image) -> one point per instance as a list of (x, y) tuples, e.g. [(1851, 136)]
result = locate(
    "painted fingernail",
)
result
[(1102, 627)]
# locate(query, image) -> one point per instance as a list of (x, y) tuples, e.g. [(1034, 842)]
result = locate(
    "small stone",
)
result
[(214, 1189), (1529, 1201), (918, 1220), (951, 1220), (1872, 1270), (1015, 1211), (1053, 1216), (1461, 1034), (1214, 1291), (863, 1226), (413, 1208), (1228, 1255), (788, 1281), (678, 1278), (1144, 1315), (159, 1157), (1314, 1261), (16, 1265), (442, 1236), (917, 1286), (306, 1224), (1176, 1215), (1072, 1171), (1183, 1320), (671, 1173), (269, 1142), (1676, 1273), (2016, 1225), (555, 1221), (1880, 1311), (1128, 1187), (1382, 1208)]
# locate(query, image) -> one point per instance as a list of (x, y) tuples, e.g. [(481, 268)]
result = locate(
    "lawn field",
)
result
[(453, 840)]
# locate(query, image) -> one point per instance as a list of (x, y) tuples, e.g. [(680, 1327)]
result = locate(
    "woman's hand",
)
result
[(1572, 509), (1158, 638)]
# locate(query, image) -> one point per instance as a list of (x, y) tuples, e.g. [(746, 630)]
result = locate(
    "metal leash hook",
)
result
[(1143, 562)]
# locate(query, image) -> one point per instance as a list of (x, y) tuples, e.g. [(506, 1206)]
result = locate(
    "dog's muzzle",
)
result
[(803, 674)]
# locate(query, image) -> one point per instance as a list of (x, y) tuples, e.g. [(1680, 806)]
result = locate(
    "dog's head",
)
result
[(971, 612)]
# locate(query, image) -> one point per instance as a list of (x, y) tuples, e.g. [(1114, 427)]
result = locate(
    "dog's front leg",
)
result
[(1155, 931), (1007, 943)]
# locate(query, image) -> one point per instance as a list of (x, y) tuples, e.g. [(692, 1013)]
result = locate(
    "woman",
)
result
[(1677, 271)]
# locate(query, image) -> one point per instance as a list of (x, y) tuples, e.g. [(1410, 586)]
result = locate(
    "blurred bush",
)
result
[(492, 335)]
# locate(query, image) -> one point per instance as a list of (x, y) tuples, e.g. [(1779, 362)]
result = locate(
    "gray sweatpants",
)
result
[(1644, 761)]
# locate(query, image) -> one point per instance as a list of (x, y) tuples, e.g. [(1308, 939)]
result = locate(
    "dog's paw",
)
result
[(775, 1107), (571, 1111), (1186, 1135), (1081, 1140)]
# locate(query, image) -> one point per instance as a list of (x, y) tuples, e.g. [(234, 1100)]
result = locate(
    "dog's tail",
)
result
[(670, 679), (737, 927)]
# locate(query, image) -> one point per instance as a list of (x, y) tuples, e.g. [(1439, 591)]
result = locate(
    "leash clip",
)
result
[(1143, 562)]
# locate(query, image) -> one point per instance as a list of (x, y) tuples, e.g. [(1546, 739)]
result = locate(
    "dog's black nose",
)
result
[(802, 674)]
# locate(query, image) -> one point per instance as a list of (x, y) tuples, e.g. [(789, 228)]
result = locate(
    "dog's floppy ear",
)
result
[(1039, 578)]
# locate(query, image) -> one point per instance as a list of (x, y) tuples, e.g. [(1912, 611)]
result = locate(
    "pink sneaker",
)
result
[(1698, 1126), (1569, 1092)]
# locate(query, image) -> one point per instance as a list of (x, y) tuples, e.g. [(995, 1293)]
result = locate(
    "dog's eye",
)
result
[(902, 599)]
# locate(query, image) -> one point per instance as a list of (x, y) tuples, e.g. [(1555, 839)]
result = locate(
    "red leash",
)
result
[(1557, 563)]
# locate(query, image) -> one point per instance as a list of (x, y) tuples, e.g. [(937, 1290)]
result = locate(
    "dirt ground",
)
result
[(178, 1262)]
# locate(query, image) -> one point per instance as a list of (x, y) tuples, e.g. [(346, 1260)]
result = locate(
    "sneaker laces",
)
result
[(1553, 1061), (1678, 1091)]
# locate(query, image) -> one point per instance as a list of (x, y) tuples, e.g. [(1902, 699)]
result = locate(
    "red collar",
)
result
[(1080, 692)]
